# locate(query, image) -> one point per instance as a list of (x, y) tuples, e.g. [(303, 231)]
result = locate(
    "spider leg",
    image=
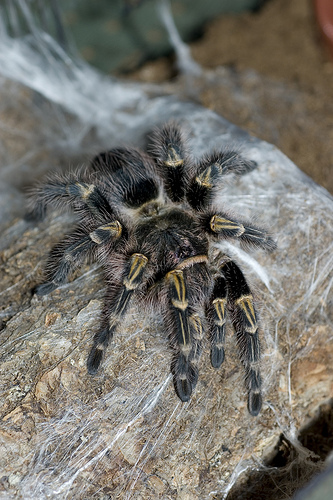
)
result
[(208, 175), (245, 322), (220, 224), (134, 180), (116, 303), (61, 191), (185, 333), (72, 255), (217, 317), (170, 153)]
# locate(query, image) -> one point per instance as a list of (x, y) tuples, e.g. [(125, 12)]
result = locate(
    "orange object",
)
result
[(324, 13)]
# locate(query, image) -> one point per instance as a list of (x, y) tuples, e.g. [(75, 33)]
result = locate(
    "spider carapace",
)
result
[(150, 220)]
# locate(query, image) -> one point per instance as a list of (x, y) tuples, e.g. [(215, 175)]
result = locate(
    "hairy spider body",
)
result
[(149, 220)]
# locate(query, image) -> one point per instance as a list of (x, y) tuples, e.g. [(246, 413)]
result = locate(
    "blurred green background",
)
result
[(119, 35)]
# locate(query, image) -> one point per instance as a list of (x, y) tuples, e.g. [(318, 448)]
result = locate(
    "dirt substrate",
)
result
[(276, 80)]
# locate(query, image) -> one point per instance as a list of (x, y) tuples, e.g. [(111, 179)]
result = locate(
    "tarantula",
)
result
[(149, 219)]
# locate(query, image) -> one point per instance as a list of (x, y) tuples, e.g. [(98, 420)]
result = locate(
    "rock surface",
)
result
[(124, 433)]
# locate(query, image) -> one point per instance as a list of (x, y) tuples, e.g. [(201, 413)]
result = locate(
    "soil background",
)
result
[(277, 80)]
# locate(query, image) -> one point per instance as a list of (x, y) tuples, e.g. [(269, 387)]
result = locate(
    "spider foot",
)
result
[(217, 356), (254, 402), (185, 377), (96, 354), (253, 380)]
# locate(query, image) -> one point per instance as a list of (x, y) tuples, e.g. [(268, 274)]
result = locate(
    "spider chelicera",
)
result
[(149, 220)]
